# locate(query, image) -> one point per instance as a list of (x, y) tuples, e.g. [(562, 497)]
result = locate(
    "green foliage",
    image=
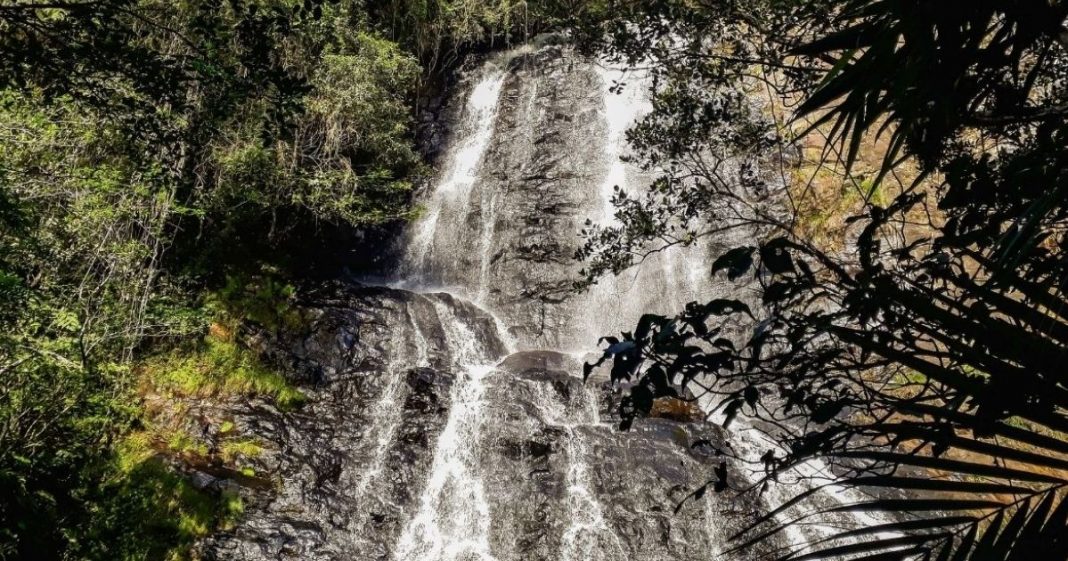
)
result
[(54, 419), (147, 511), (264, 299), (348, 160), (152, 153), (218, 367), (156, 157), (94, 221), (438, 30)]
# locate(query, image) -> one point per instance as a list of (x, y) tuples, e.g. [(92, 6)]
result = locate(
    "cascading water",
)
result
[(457, 246), (588, 535), (461, 430), (664, 283), (453, 521), (387, 409)]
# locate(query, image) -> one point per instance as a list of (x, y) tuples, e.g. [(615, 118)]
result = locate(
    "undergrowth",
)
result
[(218, 367), (146, 508), (150, 511)]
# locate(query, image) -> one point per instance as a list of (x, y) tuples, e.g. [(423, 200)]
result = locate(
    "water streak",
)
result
[(462, 167), (626, 100), (587, 536), (386, 415), (453, 521)]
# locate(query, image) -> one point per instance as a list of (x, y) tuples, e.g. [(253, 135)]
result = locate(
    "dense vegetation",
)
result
[(167, 169), (922, 348)]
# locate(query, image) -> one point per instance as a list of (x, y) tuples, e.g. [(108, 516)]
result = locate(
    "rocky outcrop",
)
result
[(438, 430), (316, 456), (559, 477)]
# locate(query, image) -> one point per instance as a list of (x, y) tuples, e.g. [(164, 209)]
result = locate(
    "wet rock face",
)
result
[(591, 491), (542, 169), (559, 480), (438, 430), (536, 137), (506, 230), (320, 505)]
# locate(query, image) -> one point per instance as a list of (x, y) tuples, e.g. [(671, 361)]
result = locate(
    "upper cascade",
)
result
[(536, 149)]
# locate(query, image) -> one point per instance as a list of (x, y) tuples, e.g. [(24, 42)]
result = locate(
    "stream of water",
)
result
[(477, 440)]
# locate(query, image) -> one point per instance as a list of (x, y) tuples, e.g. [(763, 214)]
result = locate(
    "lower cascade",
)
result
[(447, 419)]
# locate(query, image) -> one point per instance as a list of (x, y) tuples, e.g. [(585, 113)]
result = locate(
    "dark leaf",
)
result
[(736, 261), (775, 257)]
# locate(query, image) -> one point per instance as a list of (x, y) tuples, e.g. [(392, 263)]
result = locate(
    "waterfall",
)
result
[(461, 174), (463, 430), (588, 536), (455, 246), (464, 244), (453, 519), (621, 110), (435, 239)]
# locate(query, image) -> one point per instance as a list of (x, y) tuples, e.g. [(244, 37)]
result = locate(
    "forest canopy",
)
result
[(167, 170)]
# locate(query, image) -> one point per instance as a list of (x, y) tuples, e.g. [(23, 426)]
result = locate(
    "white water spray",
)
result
[(462, 167), (453, 521)]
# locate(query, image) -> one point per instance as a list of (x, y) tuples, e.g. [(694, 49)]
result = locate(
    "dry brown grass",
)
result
[(823, 193)]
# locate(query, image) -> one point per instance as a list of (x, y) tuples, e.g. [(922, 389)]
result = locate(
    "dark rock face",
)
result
[(438, 430), (318, 456), (558, 479), (591, 491)]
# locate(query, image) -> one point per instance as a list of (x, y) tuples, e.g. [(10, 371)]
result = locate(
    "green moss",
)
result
[(1021, 423), (148, 511), (232, 507), (875, 193), (909, 377), (219, 366), (183, 444), (247, 447)]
